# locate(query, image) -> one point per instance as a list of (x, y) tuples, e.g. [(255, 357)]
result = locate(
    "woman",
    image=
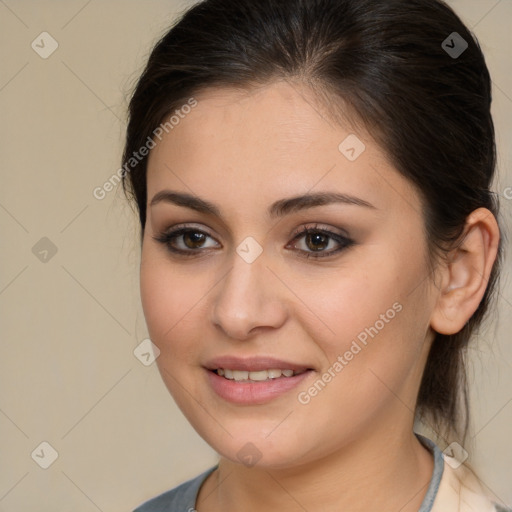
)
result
[(319, 241)]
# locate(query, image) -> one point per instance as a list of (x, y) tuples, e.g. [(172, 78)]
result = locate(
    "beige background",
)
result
[(69, 325)]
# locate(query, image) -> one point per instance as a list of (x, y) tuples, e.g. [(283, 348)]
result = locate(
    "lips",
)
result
[(254, 381)]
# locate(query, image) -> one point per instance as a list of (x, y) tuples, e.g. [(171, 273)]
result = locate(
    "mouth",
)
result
[(256, 380)]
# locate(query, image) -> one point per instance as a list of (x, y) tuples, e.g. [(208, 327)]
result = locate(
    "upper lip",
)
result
[(254, 364)]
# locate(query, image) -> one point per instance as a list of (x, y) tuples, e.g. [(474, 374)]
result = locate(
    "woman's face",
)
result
[(347, 306)]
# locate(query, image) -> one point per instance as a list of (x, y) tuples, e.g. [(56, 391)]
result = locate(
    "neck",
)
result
[(388, 470)]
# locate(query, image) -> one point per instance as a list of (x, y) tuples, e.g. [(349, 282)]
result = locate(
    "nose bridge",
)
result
[(247, 298)]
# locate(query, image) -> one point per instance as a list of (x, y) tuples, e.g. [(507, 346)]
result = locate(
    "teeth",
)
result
[(274, 374), (243, 375), (261, 375)]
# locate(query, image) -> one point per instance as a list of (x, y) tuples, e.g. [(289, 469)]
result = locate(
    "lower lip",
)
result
[(252, 393)]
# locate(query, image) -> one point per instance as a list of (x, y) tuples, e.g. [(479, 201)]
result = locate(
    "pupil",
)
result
[(317, 238)]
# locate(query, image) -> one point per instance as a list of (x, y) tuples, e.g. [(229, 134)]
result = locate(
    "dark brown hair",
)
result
[(427, 108)]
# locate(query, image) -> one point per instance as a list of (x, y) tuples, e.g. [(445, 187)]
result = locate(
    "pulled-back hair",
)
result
[(384, 65)]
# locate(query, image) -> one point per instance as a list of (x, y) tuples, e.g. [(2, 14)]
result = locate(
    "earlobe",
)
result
[(466, 273)]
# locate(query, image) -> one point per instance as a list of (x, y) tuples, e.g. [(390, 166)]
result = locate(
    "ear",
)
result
[(465, 276)]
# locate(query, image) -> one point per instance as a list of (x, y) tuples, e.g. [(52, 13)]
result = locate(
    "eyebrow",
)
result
[(280, 208)]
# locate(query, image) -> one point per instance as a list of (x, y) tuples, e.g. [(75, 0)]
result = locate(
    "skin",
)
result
[(242, 151)]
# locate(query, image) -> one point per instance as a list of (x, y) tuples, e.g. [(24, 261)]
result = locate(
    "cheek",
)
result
[(174, 299), (372, 321), (157, 299), (171, 303), (166, 296), (349, 306), (368, 362)]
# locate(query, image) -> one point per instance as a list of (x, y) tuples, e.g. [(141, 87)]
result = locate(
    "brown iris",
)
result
[(193, 240), (317, 238)]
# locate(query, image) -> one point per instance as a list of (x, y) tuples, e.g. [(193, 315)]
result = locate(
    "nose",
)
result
[(248, 300)]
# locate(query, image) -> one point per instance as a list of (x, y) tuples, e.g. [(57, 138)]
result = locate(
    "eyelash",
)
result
[(166, 238)]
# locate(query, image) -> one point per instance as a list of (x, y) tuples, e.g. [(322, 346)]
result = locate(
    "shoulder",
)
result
[(181, 498), (460, 490)]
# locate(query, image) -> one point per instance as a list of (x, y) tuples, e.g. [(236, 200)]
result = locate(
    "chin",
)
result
[(254, 447)]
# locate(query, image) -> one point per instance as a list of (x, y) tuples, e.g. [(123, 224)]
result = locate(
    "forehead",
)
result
[(273, 139)]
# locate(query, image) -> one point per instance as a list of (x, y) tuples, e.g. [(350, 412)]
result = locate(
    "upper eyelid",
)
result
[(317, 226), (310, 226)]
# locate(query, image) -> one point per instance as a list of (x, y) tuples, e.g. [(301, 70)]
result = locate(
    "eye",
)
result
[(184, 240), (317, 241)]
